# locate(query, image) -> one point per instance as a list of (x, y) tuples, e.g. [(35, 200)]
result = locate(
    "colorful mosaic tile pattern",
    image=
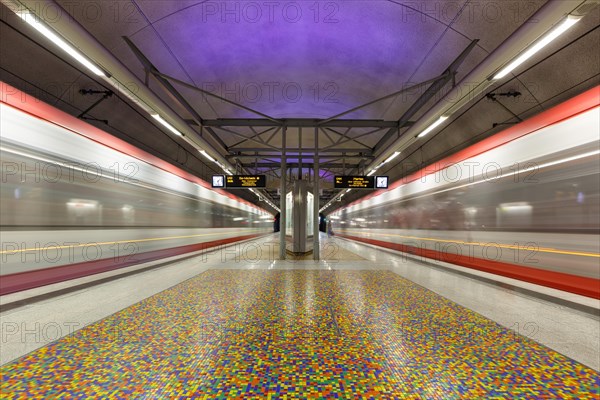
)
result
[(300, 334)]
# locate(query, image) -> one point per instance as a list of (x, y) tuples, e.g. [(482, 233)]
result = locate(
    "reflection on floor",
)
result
[(297, 334), (268, 250)]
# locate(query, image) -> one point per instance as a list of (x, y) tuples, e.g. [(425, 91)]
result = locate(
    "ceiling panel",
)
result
[(301, 60)]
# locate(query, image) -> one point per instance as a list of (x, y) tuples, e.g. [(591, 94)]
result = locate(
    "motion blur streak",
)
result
[(212, 235), (504, 246), (68, 198), (533, 201)]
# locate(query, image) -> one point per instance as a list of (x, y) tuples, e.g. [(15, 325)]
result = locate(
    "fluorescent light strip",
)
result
[(166, 124), (223, 167), (390, 158), (543, 42), (256, 193), (34, 21), (432, 126), (205, 154)]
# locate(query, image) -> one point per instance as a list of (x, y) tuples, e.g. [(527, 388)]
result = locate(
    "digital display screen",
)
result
[(245, 181), (354, 182), (381, 182), (218, 181)]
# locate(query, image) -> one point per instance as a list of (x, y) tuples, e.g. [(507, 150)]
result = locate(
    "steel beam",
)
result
[(406, 89), (354, 138), (431, 91), (365, 151), (207, 93), (297, 165), (316, 184), (256, 135), (302, 122), (282, 205), (268, 158), (247, 139)]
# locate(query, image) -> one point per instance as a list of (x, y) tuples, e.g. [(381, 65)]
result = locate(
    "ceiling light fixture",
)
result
[(205, 154), (166, 124), (371, 172), (539, 44), (34, 21), (390, 158), (432, 126)]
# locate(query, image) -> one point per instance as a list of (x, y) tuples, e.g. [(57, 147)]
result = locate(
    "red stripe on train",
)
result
[(32, 279), (584, 286), (561, 112), (15, 98)]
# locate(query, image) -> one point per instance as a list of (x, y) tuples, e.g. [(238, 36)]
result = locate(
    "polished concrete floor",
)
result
[(233, 324)]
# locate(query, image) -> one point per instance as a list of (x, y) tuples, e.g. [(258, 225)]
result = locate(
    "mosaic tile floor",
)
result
[(269, 251), (297, 334)]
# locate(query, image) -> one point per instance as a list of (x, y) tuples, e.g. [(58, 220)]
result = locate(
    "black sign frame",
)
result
[(218, 181), (245, 181), (353, 182), (379, 182)]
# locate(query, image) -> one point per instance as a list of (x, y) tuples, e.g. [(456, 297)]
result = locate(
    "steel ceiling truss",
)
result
[(329, 127), (436, 86), (302, 123)]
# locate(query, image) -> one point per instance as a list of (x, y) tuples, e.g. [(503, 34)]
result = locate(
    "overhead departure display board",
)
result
[(245, 181), (360, 182), (354, 182)]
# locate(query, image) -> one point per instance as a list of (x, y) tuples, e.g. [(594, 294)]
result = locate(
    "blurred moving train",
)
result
[(525, 201), (73, 195)]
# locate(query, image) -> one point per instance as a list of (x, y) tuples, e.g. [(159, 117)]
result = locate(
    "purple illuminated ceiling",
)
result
[(299, 59)]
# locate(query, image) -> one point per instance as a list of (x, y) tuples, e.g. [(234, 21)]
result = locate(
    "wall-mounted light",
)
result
[(433, 126), (166, 124), (542, 42), (390, 158), (205, 154), (35, 22)]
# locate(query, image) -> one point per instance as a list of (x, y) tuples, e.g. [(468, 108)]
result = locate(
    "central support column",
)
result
[(299, 209), (317, 219), (283, 191), (301, 215)]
